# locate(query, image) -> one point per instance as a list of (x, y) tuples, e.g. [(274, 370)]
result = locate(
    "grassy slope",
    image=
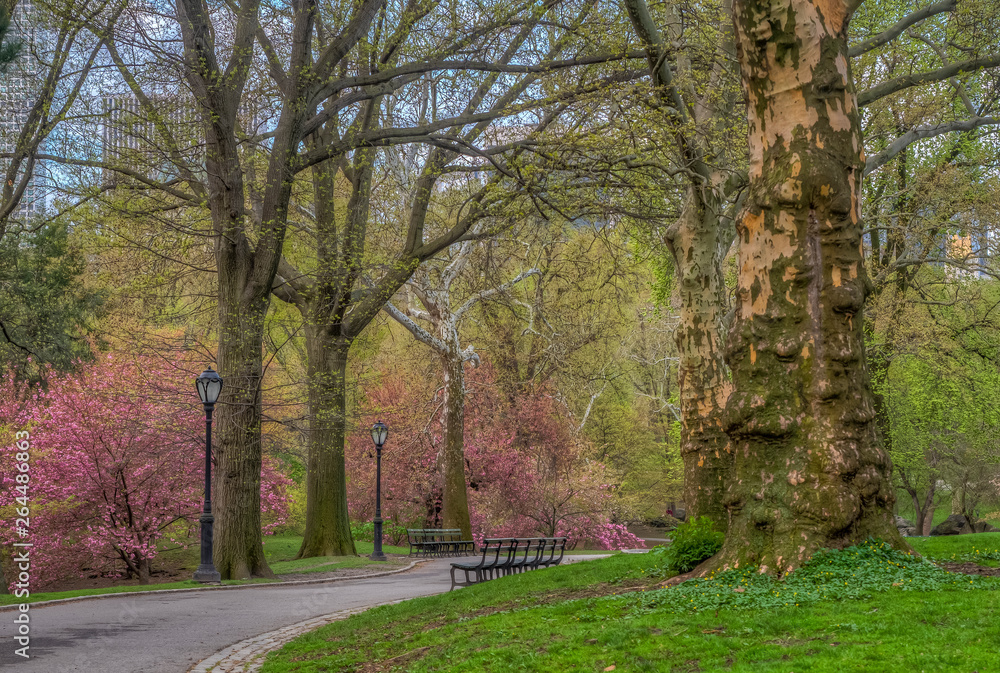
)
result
[(524, 623), (280, 551)]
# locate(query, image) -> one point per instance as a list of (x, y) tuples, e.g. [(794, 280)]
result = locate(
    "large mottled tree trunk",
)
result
[(238, 551), (328, 526), (703, 377), (809, 470), (696, 241), (455, 505)]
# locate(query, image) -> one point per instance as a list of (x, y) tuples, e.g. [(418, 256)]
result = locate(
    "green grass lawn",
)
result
[(866, 610), (280, 551)]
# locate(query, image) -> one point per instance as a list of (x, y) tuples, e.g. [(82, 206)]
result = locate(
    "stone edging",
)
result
[(120, 594), (248, 655)]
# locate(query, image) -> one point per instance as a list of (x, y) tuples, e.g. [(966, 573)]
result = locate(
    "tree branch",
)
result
[(897, 29), (416, 330), (486, 294), (907, 81), (922, 132)]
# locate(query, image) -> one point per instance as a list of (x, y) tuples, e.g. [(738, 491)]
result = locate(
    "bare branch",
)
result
[(922, 132), (416, 330), (486, 294), (897, 29), (946, 72)]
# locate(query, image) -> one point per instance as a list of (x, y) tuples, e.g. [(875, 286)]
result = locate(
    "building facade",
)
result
[(18, 92)]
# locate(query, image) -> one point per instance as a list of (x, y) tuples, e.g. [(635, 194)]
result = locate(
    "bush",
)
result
[(693, 542), (392, 533)]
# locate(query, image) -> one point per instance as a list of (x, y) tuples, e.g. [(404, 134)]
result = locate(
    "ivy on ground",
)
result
[(857, 572)]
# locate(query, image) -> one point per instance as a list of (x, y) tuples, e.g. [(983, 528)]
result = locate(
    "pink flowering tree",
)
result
[(531, 474), (116, 467), (527, 472), (411, 493)]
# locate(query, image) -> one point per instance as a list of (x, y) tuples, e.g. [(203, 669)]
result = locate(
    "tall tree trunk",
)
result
[(809, 470), (703, 377), (328, 526), (455, 505), (238, 551)]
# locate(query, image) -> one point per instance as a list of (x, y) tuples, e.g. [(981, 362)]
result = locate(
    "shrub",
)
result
[(693, 542), (392, 533)]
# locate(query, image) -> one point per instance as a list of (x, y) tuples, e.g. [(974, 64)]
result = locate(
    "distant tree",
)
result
[(9, 49), (56, 76), (526, 473), (434, 320), (46, 307)]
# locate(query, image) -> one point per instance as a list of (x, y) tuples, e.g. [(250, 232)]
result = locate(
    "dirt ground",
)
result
[(971, 569)]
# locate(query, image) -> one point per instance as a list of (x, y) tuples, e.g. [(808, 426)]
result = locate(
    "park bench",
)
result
[(438, 542), (505, 556)]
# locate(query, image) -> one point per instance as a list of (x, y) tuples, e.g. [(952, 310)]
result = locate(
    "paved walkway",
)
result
[(217, 630)]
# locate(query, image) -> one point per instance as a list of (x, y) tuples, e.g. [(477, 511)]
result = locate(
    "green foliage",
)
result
[(857, 572), (8, 49), (662, 267), (981, 548), (365, 531), (692, 542), (44, 307)]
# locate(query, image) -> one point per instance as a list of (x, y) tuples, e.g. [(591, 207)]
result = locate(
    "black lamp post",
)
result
[(209, 385), (379, 434)]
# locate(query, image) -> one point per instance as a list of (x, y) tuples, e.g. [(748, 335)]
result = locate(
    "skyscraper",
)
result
[(132, 141), (18, 89)]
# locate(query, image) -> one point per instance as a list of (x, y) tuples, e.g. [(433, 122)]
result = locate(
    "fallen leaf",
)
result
[(610, 668), (739, 590)]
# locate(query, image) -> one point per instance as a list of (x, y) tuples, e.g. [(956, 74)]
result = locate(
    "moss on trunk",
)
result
[(238, 550), (702, 374), (809, 470), (328, 526)]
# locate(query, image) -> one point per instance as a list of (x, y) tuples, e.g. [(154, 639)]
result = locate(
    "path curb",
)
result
[(120, 594), (248, 655)]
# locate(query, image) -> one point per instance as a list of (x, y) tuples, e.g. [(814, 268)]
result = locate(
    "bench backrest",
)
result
[(434, 534)]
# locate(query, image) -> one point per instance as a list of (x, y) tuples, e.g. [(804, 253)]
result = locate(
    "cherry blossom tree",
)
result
[(116, 466), (527, 474)]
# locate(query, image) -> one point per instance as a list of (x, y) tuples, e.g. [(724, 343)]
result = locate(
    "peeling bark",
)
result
[(702, 374), (809, 469), (696, 244)]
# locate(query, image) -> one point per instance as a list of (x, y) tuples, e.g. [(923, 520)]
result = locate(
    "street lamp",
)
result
[(379, 434), (209, 385)]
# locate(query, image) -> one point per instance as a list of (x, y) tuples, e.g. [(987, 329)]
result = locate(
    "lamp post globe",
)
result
[(379, 434), (209, 385)]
